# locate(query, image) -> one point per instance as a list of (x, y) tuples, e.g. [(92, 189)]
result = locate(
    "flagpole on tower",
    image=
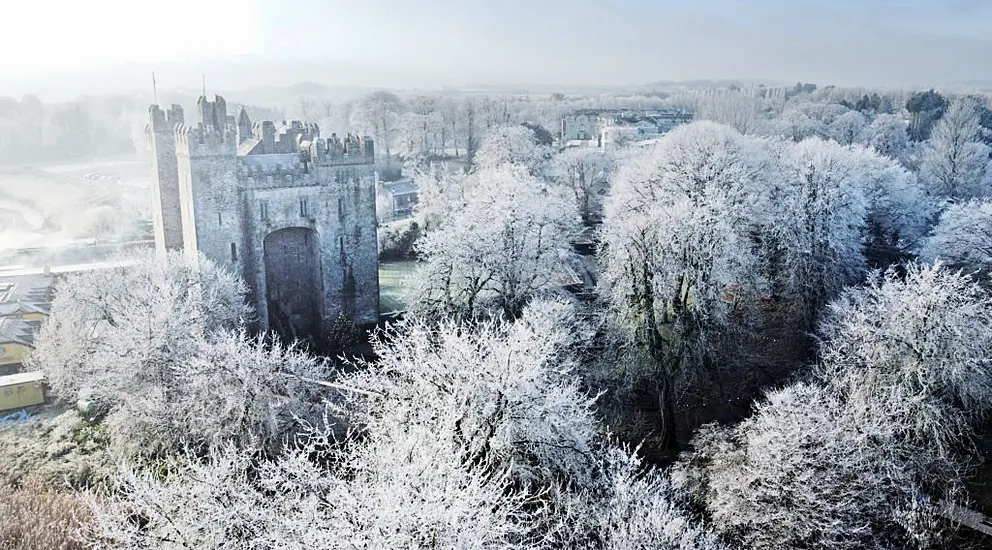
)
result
[(154, 90), (204, 77)]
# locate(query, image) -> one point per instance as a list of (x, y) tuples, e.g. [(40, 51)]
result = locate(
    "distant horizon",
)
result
[(227, 75)]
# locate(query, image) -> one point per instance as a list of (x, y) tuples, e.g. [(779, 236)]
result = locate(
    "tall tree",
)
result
[(676, 240), (508, 243), (954, 159), (378, 113)]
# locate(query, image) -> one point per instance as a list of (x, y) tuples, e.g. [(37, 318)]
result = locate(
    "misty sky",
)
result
[(431, 43)]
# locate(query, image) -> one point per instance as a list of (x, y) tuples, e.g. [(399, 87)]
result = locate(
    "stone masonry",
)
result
[(289, 211)]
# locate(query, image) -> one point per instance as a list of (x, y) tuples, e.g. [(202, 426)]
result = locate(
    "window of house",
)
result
[(304, 208), (263, 210), (234, 252)]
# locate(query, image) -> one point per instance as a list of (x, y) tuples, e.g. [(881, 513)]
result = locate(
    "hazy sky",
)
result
[(458, 42)]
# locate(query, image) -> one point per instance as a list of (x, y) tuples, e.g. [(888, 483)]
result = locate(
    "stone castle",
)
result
[(289, 211)]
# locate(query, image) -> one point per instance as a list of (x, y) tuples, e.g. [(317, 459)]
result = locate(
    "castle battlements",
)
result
[(290, 212), (201, 142)]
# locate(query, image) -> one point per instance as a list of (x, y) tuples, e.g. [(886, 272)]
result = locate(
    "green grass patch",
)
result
[(392, 279)]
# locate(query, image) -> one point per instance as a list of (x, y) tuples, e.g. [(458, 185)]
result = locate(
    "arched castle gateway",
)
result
[(291, 212)]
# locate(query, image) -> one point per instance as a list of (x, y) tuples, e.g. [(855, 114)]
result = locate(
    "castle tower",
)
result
[(211, 208), (166, 209), (292, 214)]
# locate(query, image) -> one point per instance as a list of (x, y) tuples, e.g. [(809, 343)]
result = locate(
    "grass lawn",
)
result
[(391, 278)]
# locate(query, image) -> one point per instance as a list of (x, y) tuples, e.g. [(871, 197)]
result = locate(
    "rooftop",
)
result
[(21, 378), (18, 331), (400, 187)]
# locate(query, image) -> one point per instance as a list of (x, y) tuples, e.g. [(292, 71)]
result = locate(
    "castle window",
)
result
[(304, 208), (234, 252), (340, 208), (220, 219), (263, 210)]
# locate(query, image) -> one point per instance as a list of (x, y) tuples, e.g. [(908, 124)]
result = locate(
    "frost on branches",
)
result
[(953, 161), (509, 243), (913, 356), (963, 237), (799, 473), (861, 455), (824, 210), (586, 173), (463, 438), (676, 246), (514, 145), (157, 346)]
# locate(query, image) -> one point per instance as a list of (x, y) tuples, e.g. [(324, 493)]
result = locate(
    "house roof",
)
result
[(248, 146), (12, 308), (21, 378), (18, 331), (401, 187)]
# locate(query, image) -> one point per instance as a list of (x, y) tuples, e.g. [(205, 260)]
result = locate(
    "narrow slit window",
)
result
[(220, 219), (234, 252), (263, 210), (304, 210)]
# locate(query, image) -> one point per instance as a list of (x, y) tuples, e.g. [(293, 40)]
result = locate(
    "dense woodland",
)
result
[(783, 340)]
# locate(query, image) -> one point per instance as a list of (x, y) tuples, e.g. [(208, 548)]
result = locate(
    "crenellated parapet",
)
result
[(199, 142), (335, 151)]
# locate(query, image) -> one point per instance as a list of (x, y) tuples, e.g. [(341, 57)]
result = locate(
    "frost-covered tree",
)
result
[(464, 437), (676, 243), (963, 237), (378, 113), (900, 209), (586, 173), (737, 110), (505, 393), (156, 346), (863, 454), (912, 354), (800, 473), (515, 145), (822, 217), (888, 135), (140, 320), (848, 128), (953, 160), (507, 244)]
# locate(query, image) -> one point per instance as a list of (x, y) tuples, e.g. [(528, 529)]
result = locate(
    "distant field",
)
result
[(57, 203), (391, 284)]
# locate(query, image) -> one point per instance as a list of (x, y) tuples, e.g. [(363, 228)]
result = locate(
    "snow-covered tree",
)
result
[(848, 128), (888, 135), (822, 218), (464, 437), (953, 160), (676, 244), (509, 243), (140, 320), (737, 110), (913, 353), (515, 145), (800, 473), (378, 114), (586, 173), (901, 211), (156, 345), (963, 237)]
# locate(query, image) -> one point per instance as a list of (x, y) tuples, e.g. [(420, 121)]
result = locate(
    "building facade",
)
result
[(289, 211), (610, 127)]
